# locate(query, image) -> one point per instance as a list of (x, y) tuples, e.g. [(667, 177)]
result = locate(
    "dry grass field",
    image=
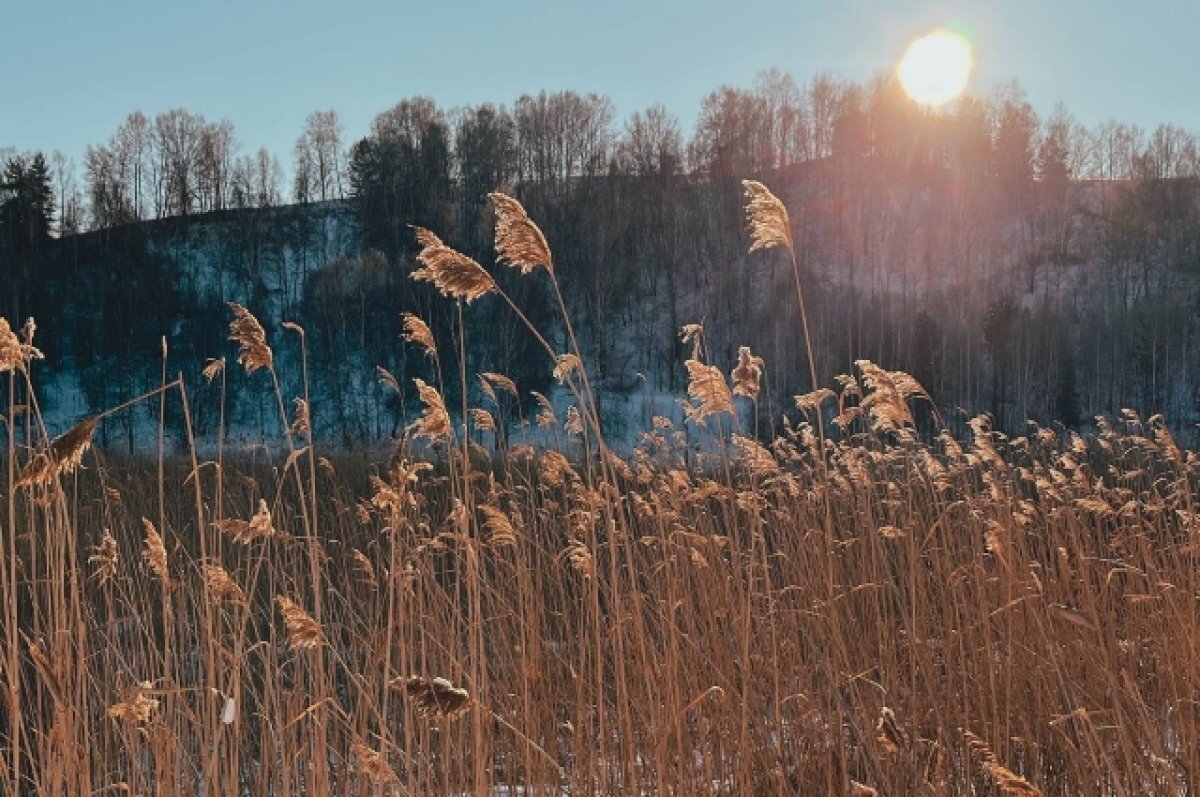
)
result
[(852, 608)]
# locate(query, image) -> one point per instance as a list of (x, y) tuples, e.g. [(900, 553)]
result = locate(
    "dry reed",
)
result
[(519, 242), (451, 272)]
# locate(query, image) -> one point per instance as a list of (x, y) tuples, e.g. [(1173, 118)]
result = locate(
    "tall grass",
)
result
[(867, 612)]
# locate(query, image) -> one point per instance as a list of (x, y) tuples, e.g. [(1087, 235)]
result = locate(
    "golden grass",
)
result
[(450, 271), (62, 456), (15, 355), (874, 612), (519, 241), (767, 218), (246, 331)]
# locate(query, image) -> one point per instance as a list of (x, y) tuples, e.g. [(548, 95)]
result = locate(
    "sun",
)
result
[(936, 67)]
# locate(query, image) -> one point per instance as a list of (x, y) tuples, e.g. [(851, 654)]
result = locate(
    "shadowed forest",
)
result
[(1029, 267)]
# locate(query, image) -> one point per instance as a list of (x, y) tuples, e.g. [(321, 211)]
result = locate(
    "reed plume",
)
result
[(555, 470), (767, 218), (213, 368), (387, 378), (492, 382), (373, 765), (580, 559), (434, 698), (418, 332), (303, 421), (104, 558), (221, 585), (889, 393), (434, 423), (812, 401), (1005, 779), (363, 565), (155, 552), (244, 330), (136, 705), (14, 355), (747, 374), (483, 420), (258, 527), (546, 417), (499, 528), (574, 422), (565, 365), (708, 389), (754, 456), (519, 242), (891, 736), (63, 455), (304, 633), (454, 274)]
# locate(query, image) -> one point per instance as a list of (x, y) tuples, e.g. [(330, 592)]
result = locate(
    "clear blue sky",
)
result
[(71, 70)]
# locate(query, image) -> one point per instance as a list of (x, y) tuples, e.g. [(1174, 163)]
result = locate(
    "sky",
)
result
[(72, 70)]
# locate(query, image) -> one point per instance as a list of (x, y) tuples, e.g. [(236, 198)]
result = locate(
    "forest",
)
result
[(1027, 266)]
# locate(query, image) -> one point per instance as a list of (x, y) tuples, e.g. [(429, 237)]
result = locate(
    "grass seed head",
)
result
[(435, 698), (747, 374), (483, 420), (260, 526), (373, 764), (303, 422), (304, 633), (1005, 779), (155, 552), (64, 455), (434, 423), (418, 332), (15, 355), (519, 242), (364, 567), (890, 735), (767, 218), (221, 586), (104, 558), (454, 274), (499, 528), (494, 382), (136, 705), (244, 330), (213, 369), (708, 389)]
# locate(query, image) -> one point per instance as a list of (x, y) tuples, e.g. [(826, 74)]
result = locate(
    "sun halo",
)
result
[(936, 67)]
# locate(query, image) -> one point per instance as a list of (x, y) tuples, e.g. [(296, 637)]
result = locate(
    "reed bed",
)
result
[(853, 608)]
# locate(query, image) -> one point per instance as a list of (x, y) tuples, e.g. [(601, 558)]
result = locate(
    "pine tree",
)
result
[(26, 210)]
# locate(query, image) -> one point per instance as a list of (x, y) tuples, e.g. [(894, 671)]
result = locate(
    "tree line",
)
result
[(178, 163)]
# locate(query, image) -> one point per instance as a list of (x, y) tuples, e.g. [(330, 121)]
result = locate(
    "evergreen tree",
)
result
[(26, 211)]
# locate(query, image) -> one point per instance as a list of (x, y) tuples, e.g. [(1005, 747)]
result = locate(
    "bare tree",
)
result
[(824, 103), (214, 164), (67, 189), (652, 143), (318, 158), (268, 177), (562, 135), (729, 139), (178, 135), (132, 145), (785, 116), (106, 188)]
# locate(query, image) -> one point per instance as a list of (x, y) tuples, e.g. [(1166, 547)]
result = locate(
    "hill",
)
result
[(1037, 303)]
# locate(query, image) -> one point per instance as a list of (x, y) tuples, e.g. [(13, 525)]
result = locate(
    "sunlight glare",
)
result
[(936, 67)]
